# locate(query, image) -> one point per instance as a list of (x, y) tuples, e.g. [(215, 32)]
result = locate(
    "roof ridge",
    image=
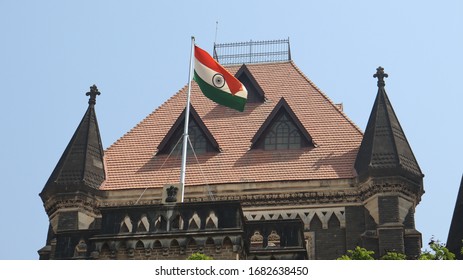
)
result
[(256, 63), (325, 96), (163, 104)]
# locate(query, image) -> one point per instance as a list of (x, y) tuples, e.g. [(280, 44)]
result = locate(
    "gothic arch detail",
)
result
[(143, 224), (126, 225), (306, 215), (176, 223), (160, 224), (139, 245), (195, 222), (212, 222)]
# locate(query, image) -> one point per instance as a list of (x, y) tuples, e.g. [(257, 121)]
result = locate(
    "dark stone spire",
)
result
[(384, 150), (455, 238), (82, 162)]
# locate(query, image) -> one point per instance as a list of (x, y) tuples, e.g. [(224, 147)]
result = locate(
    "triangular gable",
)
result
[(255, 92), (281, 108), (176, 131)]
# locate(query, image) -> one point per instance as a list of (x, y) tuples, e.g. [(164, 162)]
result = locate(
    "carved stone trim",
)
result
[(351, 195), (306, 215), (354, 195), (88, 205)]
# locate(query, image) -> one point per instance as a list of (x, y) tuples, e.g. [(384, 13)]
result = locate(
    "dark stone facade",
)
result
[(455, 237), (176, 231)]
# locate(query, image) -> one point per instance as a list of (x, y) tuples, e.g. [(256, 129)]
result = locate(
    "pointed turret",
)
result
[(71, 194), (385, 150), (82, 162), (390, 178), (455, 238)]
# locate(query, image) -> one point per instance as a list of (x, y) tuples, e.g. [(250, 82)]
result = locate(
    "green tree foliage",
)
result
[(438, 252), (358, 254), (199, 256), (393, 256)]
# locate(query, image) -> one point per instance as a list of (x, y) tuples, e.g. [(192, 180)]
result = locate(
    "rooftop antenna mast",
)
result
[(216, 31), (215, 40)]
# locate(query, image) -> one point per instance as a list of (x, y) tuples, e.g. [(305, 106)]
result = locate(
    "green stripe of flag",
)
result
[(219, 96)]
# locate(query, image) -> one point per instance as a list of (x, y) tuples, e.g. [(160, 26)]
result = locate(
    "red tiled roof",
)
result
[(131, 162)]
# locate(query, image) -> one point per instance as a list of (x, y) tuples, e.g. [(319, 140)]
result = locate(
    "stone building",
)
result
[(455, 237), (291, 177)]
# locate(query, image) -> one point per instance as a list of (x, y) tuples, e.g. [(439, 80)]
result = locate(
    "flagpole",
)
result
[(185, 128)]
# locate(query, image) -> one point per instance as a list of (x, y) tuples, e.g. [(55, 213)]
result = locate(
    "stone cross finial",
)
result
[(93, 93), (380, 75)]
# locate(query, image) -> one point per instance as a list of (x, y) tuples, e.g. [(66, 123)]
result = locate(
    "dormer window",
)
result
[(283, 134), (255, 92), (198, 134), (282, 131), (197, 138)]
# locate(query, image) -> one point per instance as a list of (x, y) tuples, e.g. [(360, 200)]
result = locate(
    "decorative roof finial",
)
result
[(93, 93), (380, 75), (171, 194)]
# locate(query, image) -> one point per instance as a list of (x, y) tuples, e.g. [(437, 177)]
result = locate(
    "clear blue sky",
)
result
[(137, 53)]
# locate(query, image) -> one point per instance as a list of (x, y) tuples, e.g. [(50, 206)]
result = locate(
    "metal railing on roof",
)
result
[(252, 52)]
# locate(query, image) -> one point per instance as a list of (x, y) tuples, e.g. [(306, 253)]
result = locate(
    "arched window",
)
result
[(282, 130), (197, 139), (200, 137), (283, 134), (139, 245)]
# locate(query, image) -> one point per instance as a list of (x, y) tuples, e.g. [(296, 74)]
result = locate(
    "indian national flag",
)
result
[(217, 83)]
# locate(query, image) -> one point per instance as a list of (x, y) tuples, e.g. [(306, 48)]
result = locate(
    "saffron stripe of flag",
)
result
[(217, 83)]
